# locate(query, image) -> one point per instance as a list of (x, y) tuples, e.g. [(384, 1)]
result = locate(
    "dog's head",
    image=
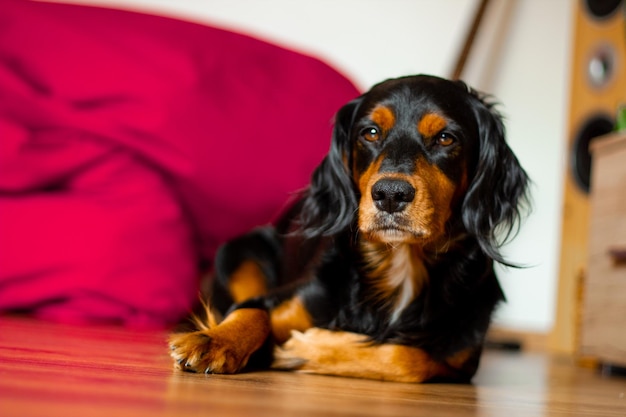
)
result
[(418, 160)]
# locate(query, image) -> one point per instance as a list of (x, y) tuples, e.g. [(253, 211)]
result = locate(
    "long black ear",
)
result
[(330, 203), (498, 193)]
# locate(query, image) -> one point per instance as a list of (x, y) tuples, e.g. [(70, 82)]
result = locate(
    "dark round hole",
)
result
[(595, 126), (601, 9)]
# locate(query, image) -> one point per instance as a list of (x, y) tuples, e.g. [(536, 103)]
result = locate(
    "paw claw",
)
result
[(203, 353)]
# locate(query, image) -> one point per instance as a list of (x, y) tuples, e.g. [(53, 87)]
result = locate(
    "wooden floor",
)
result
[(60, 370)]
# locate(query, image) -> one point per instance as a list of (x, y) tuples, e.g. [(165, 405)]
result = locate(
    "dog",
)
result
[(383, 267)]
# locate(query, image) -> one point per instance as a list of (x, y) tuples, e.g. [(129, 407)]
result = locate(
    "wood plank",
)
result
[(604, 313), (61, 370)]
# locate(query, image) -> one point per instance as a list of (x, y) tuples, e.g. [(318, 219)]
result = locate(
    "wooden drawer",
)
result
[(603, 332)]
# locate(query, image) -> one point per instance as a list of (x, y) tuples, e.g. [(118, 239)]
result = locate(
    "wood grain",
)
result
[(604, 313), (61, 370)]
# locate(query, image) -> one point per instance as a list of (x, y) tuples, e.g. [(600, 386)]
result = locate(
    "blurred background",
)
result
[(523, 54)]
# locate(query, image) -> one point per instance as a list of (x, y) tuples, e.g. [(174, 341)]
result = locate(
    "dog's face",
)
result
[(412, 142), (419, 160)]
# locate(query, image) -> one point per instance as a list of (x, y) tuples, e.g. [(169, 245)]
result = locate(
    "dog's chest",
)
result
[(395, 276)]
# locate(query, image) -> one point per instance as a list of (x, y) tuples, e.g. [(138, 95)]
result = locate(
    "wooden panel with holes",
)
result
[(597, 89)]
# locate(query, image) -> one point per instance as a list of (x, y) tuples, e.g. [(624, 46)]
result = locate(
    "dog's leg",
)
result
[(246, 267), (246, 282), (288, 316), (347, 354), (225, 348)]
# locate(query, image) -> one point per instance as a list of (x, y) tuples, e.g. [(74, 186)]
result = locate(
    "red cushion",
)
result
[(133, 145)]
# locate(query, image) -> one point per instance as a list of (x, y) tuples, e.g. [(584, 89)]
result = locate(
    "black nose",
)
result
[(392, 195)]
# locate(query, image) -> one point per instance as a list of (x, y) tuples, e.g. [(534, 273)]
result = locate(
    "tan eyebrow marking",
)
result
[(383, 116), (431, 124)]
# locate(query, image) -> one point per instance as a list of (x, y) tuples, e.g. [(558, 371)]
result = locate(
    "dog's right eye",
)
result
[(370, 134)]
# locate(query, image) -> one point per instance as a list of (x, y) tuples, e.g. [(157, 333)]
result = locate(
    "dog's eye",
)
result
[(445, 139), (370, 134)]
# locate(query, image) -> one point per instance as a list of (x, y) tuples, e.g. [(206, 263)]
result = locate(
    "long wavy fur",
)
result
[(498, 193), (492, 208), (329, 204)]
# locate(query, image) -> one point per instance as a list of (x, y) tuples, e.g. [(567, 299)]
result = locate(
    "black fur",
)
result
[(314, 252), (329, 203)]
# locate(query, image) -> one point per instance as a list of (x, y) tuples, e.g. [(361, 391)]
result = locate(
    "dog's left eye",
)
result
[(370, 134), (445, 139)]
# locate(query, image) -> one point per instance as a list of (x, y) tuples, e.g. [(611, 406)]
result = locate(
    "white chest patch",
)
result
[(407, 275)]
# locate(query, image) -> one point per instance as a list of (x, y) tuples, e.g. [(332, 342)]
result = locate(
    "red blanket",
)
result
[(132, 145)]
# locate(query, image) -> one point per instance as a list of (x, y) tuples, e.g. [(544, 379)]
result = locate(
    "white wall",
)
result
[(528, 68), (522, 57)]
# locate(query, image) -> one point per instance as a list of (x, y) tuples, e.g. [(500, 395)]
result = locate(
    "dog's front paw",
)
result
[(203, 351), (316, 350), (223, 348)]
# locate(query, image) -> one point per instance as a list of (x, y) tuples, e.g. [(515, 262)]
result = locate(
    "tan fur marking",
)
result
[(383, 116), (289, 315), (224, 348), (367, 210), (459, 359), (435, 197), (396, 274), (246, 282), (347, 354), (431, 124), (425, 216)]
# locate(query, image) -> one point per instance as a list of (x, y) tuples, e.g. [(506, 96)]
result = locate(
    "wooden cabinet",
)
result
[(603, 333)]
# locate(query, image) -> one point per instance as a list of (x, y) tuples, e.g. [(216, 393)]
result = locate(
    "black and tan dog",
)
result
[(383, 268)]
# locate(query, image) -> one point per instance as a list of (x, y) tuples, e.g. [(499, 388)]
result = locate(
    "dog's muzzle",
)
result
[(392, 195)]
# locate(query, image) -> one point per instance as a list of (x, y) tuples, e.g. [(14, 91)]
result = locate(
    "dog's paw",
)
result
[(316, 350), (207, 352), (223, 348), (340, 353)]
